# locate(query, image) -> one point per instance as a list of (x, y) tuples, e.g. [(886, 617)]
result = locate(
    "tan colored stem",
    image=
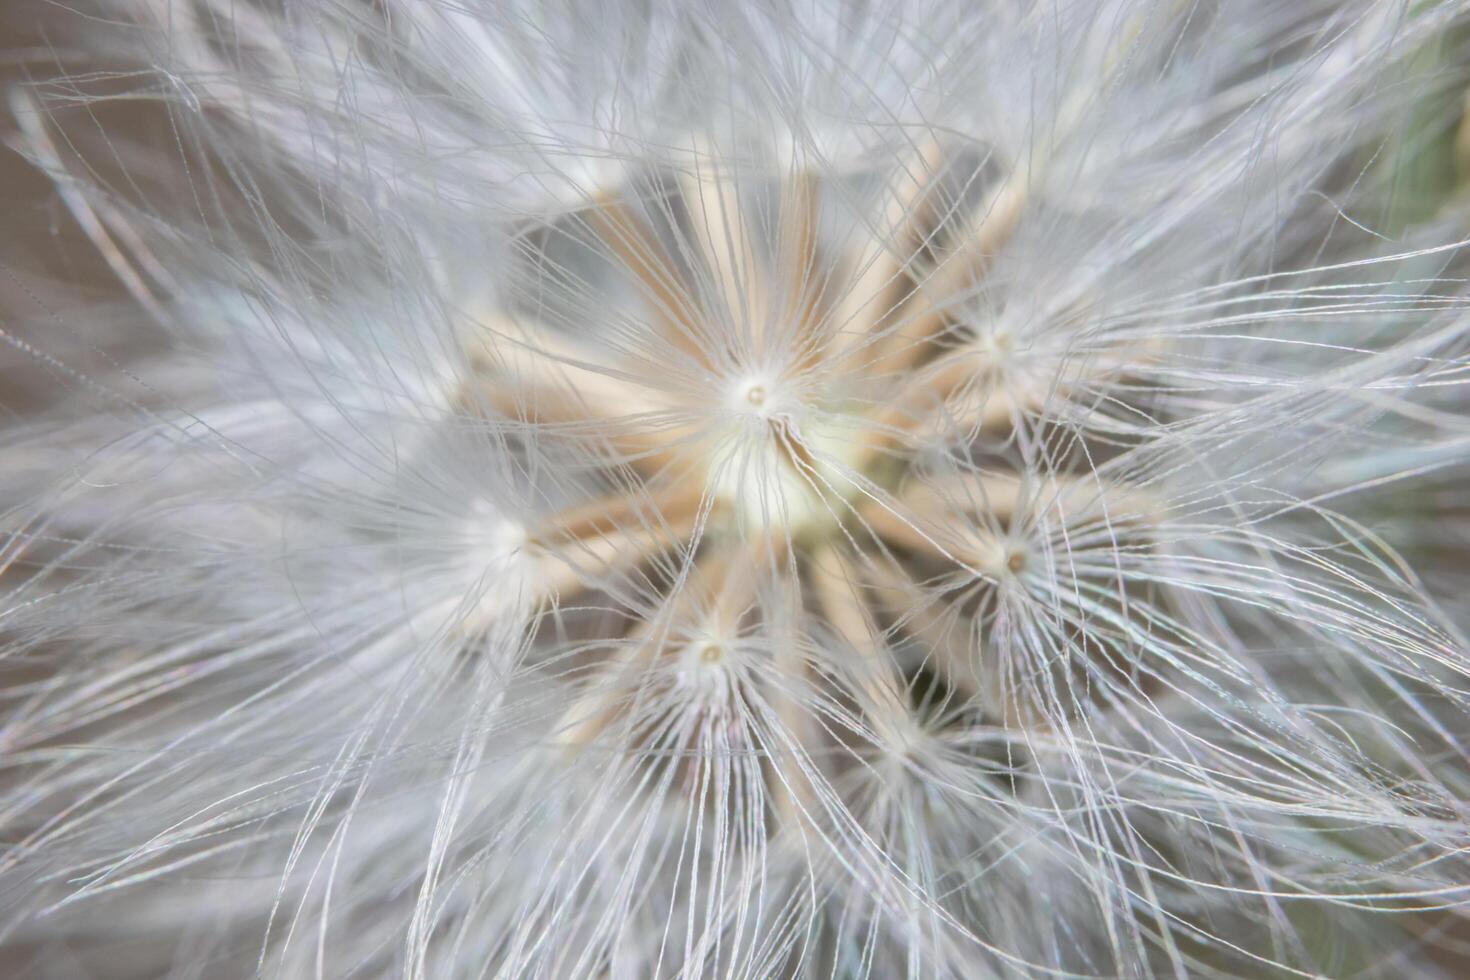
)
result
[(792, 792), (798, 257), (674, 508), (632, 243), (541, 376), (604, 694), (836, 585), (909, 522), (922, 399), (899, 523), (928, 314), (878, 259), (970, 669), (576, 550), (713, 203), (527, 372)]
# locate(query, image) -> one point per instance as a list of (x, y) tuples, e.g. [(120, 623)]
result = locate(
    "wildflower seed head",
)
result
[(752, 490)]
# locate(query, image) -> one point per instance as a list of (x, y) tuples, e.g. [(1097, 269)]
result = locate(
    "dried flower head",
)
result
[(788, 490)]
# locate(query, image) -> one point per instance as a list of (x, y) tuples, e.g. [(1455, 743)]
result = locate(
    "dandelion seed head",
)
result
[(750, 490)]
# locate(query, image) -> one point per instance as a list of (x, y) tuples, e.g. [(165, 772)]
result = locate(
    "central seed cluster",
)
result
[(775, 407)]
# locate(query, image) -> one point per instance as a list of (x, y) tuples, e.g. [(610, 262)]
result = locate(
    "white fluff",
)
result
[(750, 490)]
